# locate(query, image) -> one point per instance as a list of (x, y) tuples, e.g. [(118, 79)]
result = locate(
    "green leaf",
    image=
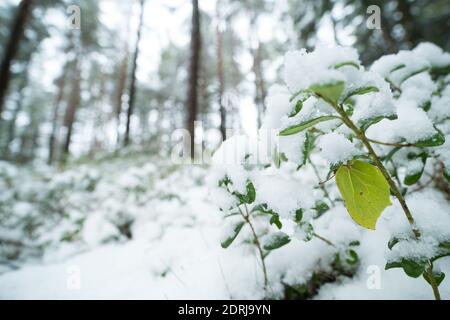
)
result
[(302, 96), (413, 268), (261, 208), (346, 63), (354, 243), (308, 230), (229, 240), (251, 192), (249, 197), (357, 91), (353, 257), (264, 209), (364, 190), (443, 252), (308, 146), (297, 108), (437, 139), (439, 71), (412, 178), (275, 219), (437, 275), (398, 67), (278, 158), (321, 207), (413, 73), (349, 109), (426, 106), (305, 125), (276, 240), (225, 181), (329, 92), (445, 245), (298, 215), (392, 242), (391, 153), (365, 124)]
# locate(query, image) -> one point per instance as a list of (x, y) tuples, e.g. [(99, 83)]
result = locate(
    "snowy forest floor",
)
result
[(131, 227)]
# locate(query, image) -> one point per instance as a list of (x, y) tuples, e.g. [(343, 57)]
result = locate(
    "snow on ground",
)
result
[(134, 270), (175, 253)]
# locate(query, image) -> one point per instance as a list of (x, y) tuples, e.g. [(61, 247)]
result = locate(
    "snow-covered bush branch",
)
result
[(382, 132)]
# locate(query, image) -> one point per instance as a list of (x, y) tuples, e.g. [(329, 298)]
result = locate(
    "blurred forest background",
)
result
[(137, 70)]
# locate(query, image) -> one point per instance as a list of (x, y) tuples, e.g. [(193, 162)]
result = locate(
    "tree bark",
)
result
[(203, 97), (120, 90), (133, 77), (69, 117), (17, 30), (260, 86), (55, 115), (122, 80), (220, 75), (260, 89), (17, 110), (192, 99), (411, 32)]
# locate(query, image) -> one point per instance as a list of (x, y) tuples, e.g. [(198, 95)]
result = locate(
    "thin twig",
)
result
[(323, 239), (257, 244), (329, 179), (434, 286), (391, 144), (322, 186)]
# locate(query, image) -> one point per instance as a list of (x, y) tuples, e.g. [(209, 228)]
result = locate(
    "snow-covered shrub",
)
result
[(382, 133), (40, 208), (46, 212)]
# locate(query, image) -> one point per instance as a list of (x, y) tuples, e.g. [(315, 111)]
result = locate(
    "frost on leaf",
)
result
[(231, 232), (330, 92), (296, 128), (275, 240)]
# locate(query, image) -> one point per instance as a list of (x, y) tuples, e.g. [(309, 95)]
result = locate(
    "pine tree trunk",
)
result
[(220, 75), (133, 77), (120, 90), (260, 87), (203, 98), (192, 99), (55, 115), (69, 117), (122, 80), (17, 30), (409, 24), (17, 110)]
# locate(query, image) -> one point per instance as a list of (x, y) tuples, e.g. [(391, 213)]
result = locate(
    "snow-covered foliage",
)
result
[(44, 211), (137, 227), (377, 130)]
